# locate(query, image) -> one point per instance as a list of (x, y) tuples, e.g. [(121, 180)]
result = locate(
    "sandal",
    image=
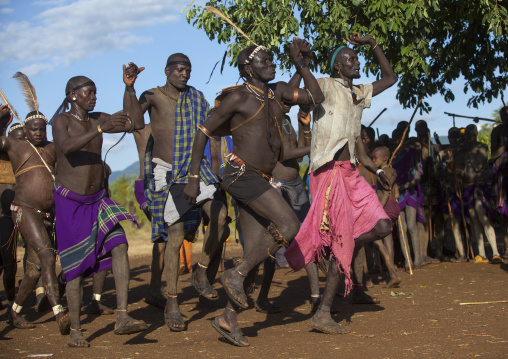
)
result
[(64, 324), (204, 289), (130, 326), (177, 317), (22, 323), (496, 260), (267, 309), (236, 336), (234, 291)]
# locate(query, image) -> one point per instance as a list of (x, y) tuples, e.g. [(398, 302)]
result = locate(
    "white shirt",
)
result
[(337, 120)]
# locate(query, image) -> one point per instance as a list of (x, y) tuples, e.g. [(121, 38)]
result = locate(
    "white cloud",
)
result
[(6, 10), (70, 32)]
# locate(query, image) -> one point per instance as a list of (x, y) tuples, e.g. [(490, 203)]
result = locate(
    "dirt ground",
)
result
[(422, 318)]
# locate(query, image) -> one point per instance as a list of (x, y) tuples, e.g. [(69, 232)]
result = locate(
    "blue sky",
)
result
[(54, 40)]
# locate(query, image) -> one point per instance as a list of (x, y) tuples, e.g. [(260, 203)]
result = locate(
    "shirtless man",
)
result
[(33, 161), (344, 213), (499, 154), (380, 157), (254, 115), (407, 164), (7, 182), (176, 110), (448, 172), (87, 218), (472, 162), (287, 178)]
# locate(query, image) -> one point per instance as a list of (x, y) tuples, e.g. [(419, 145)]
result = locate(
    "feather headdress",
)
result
[(28, 91), (30, 96), (6, 102)]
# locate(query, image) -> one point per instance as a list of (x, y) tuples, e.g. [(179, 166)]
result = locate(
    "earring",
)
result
[(73, 99)]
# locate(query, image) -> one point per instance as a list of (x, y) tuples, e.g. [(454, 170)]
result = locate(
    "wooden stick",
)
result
[(475, 119), (226, 19), (405, 246), (405, 131), (478, 303), (374, 120)]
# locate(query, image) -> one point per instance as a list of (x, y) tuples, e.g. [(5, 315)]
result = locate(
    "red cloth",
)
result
[(392, 209), (352, 210)]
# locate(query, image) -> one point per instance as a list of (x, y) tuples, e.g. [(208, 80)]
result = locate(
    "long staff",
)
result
[(405, 245), (405, 131), (374, 120), (475, 119)]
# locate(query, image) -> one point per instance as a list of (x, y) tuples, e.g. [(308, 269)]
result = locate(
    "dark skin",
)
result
[(155, 294), (347, 68), (499, 146), (452, 179), (80, 169), (472, 162), (6, 223), (287, 171), (380, 157), (161, 108), (250, 144), (34, 189)]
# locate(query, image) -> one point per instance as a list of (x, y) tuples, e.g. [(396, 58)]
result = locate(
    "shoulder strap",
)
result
[(42, 159), (249, 119)]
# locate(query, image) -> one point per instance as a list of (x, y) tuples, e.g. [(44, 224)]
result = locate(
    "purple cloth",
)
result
[(454, 202), (478, 191), (406, 164), (87, 231), (412, 197), (139, 193)]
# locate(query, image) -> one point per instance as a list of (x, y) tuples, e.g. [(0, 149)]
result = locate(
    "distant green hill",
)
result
[(132, 170)]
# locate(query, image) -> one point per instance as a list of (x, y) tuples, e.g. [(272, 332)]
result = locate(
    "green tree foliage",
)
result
[(430, 43), (122, 191)]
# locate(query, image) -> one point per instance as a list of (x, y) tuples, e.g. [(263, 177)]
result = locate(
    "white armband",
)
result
[(379, 171)]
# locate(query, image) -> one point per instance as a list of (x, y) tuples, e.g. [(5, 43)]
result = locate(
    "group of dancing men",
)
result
[(362, 191)]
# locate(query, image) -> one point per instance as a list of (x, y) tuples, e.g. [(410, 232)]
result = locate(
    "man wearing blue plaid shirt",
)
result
[(176, 110)]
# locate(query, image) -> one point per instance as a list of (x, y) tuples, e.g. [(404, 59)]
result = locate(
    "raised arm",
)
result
[(131, 104), (301, 53), (388, 77), (5, 120)]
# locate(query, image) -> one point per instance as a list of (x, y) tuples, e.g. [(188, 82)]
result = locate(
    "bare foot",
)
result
[(394, 280), (368, 283), (323, 322), (172, 315), (76, 339)]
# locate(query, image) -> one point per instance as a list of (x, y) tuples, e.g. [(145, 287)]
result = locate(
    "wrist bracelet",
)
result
[(306, 132), (374, 46), (379, 171), (193, 176), (300, 64), (99, 128)]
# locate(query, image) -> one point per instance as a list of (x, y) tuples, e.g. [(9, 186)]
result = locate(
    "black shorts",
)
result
[(246, 187)]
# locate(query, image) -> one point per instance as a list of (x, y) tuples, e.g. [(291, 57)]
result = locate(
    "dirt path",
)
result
[(422, 318)]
